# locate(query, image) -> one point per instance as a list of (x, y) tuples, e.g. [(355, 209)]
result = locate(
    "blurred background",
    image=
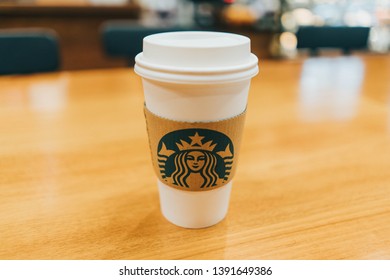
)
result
[(108, 33)]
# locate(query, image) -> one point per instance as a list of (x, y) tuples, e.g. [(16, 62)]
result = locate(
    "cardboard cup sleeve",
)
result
[(194, 156)]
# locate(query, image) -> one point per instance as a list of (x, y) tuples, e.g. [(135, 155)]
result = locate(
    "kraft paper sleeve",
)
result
[(194, 156)]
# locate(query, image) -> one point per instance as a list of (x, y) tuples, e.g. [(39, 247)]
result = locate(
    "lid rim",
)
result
[(190, 78), (205, 70)]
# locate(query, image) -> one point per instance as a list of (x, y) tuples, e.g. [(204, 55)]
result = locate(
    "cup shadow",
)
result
[(156, 238)]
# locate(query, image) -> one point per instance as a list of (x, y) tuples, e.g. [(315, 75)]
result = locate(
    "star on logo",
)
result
[(226, 153), (165, 152), (196, 139)]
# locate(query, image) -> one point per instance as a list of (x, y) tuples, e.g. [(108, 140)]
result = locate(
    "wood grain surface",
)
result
[(313, 182)]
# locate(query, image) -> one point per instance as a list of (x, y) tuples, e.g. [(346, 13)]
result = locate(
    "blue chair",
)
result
[(124, 39), (339, 37), (25, 51)]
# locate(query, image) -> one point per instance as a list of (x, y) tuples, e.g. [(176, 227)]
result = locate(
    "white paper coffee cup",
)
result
[(196, 77)]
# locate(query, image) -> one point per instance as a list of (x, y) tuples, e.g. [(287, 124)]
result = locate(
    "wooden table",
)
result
[(313, 182)]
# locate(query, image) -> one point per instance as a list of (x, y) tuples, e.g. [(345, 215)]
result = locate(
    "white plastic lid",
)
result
[(196, 57)]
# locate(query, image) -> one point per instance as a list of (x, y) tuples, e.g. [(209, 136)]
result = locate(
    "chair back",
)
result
[(25, 51), (340, 37), (124, 39)]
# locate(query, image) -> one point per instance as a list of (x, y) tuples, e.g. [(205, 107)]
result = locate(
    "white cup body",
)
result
[(195, 103)]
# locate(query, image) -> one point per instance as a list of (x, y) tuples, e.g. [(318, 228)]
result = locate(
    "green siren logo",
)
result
[(195, 159)]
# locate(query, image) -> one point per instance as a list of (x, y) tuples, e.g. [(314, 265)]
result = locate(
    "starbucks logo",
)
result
[(195, 159)]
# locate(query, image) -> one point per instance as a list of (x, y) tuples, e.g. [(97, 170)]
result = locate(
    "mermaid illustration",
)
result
[(195, 169), (194, 165)]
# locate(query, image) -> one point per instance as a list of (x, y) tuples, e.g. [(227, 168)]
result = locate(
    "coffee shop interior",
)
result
[(76, 179)]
